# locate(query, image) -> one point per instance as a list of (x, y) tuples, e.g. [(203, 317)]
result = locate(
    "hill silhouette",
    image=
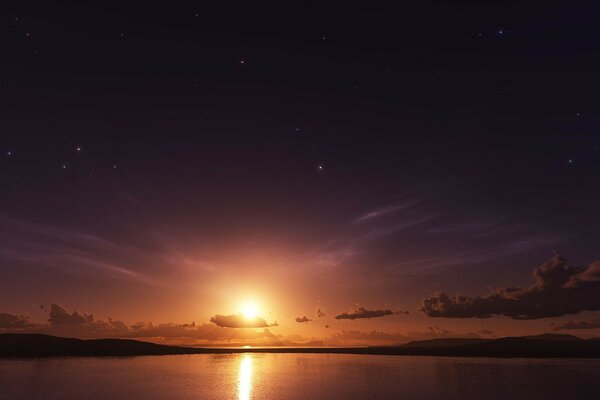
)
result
[(540, 346)]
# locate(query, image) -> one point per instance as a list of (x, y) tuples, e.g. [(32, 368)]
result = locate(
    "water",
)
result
[(298, 376)]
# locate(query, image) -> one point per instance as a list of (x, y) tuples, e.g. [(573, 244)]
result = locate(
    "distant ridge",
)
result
[(36, 345), (452, 342), (539, 346), (447, 342), (554, 336)]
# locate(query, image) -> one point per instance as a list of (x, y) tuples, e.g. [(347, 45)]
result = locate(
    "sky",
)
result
[(299, 173)]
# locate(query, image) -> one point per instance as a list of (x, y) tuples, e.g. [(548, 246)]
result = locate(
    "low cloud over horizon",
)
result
[(362, 312), (558, 289), (85, 326), (10, 321), (81, 325), (593, 323), (240, 321)]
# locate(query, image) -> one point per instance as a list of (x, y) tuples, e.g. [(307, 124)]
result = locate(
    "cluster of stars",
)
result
[(65, 165), (500, 31)]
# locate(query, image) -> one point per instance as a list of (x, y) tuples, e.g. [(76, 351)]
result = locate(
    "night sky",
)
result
[(344, 170)]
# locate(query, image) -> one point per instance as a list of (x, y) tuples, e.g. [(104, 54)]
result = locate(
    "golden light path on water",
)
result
[(245, 378)]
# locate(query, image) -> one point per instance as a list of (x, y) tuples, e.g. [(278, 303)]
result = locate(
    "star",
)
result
[(571, 161), (78, 149), (242, 62), (27, 35), (64, 166), (9, 153)]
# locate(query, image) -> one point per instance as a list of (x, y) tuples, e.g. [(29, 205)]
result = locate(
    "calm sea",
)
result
[(298, 376)]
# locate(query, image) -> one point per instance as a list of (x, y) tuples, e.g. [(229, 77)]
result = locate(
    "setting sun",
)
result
[(250, 310)]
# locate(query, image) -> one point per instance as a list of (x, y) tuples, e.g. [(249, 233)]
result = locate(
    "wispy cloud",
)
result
[(414, 235), (355, 239), (75, 252), (382, 212), (455, 257)]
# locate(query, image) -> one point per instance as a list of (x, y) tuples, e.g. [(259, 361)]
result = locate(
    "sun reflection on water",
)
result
[(245, 378)]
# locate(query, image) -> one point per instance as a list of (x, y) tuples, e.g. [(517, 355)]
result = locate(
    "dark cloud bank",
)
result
[(364, 313), (75, 324), (59, 315), (593, 323), (558, 289), (9, 321)]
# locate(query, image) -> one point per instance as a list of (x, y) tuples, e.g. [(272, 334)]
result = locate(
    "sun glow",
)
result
[(250, 310)]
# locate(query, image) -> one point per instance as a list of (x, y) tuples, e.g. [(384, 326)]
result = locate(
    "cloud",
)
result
[(9, 321), (558, 289), (63, 323), (207, 334), (353, 337), (67, 250), (59, 315), (364, 313), (572, 325), (80, 325), (320, 313), (239, 321), (589, 275), (303, 319), (485, 332), (380, 212), (372, 336)]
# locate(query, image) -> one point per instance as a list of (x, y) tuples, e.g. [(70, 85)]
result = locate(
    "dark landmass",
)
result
[(447, 342), (453, 342), (541, 346)]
